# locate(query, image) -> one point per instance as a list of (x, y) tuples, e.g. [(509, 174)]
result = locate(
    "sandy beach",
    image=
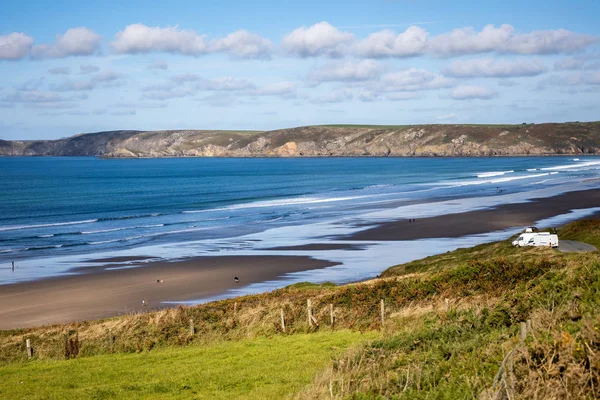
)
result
[(100, 293), (478, 222)]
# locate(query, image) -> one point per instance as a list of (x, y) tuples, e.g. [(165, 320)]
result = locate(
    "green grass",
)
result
[(587, 231), (263, 368)]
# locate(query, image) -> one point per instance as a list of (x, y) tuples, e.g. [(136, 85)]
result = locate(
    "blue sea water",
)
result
[(64, 207)]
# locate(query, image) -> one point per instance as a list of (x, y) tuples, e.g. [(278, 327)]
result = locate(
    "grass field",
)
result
[(452, 323), (263, 368)]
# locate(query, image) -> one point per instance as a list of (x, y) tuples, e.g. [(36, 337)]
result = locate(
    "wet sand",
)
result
[(102, 292), (478, 222)]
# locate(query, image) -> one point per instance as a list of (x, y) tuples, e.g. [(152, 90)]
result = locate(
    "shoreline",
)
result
[(498, 218), (114, 286), (107, 291)]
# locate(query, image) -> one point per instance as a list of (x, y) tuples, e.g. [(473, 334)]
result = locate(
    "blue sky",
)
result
[(73, 67)]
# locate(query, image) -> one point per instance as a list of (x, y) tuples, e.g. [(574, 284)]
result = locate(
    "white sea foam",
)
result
[(121, 229), (46, 236), (490, 174), (280, 203), (573, 166), (497, 180), (14, 228)]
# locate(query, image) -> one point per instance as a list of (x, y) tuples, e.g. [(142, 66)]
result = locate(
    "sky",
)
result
[(73, 67)]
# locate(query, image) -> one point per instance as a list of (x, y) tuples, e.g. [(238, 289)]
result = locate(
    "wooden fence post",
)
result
[(528, 324), (523, 331), (29, 348), (382, 307), (192, 328), (309, 312), (235, 307), (332, 316), (447, 305), (282, 321)]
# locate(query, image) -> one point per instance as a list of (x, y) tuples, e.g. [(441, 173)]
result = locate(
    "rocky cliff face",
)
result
[(417, 140)]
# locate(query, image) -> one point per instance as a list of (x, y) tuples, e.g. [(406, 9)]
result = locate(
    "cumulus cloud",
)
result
[(139, 38), (504, 40), (243, 44), (387, 43), (414, 79), (349, 71), (469, 92), (15, 46), (59, 71), (321, 39), (74, 42), (488, 67)]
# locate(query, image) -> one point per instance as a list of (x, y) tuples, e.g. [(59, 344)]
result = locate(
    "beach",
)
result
[(483, 221), (103, 290)]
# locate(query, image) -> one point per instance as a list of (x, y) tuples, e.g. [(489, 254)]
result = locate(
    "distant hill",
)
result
[(328, 140)]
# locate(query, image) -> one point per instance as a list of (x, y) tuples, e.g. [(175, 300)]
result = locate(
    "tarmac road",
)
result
[(571, 246)]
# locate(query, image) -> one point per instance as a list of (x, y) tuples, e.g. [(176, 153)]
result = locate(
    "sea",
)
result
[(57, 213)]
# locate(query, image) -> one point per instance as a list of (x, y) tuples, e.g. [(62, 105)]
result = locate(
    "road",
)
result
[(571, 246)]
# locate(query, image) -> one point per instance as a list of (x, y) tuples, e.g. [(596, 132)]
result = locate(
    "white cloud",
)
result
[(15, 46), (349, 71), (413, 79), (387, 43), (548, 42), (488, 67), (74, 42), (139, 38), (243, 44), (320, 39), (504, 40), (467, 41), (468, 92), (59, 71)]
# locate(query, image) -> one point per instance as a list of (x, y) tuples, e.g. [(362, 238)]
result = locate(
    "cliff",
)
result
[(329, 140)]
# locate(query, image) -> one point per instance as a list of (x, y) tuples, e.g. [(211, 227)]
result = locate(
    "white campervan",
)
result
[(544, 239)]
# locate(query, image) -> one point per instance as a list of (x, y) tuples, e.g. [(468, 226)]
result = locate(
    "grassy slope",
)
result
[(252, 369), (426, 351)]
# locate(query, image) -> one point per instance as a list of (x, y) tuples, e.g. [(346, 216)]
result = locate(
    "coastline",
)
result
[(109, 289), (105, 291), (499, 218)]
